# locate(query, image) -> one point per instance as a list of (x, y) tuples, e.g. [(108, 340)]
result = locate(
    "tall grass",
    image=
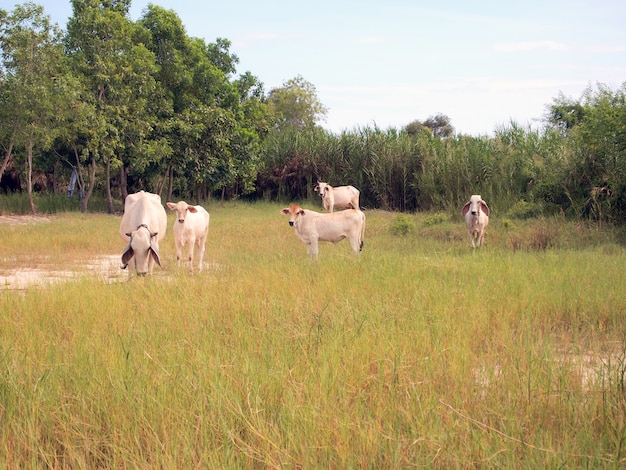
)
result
[(418, 354)]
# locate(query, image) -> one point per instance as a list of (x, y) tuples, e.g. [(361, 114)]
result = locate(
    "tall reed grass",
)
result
[(420, 353)]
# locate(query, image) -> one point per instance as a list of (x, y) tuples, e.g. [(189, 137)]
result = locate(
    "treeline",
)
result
[(111, 106)]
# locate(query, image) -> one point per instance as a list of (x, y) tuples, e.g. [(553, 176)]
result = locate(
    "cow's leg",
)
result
[(355, 244), (200, 244), (191, 245), (179, 251), (471, 238), (312, 248)]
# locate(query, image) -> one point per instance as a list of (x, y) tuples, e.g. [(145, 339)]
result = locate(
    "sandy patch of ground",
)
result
[(23, 219), (106, 268)]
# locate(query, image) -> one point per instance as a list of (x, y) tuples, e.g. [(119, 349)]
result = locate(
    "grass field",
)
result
[(418, 353)]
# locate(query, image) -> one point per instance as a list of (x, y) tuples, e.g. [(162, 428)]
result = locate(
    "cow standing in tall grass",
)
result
[(143, 225), (191, 227), (312, 227), (476, 213), (341, 197)]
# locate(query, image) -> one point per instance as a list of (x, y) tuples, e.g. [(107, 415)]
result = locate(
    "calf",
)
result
[(190, 227), (476, 213), (313, 227), (341, 197)]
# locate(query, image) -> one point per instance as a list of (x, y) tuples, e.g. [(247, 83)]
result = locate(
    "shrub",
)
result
[(524, 210), (402, 225), (435, 219)]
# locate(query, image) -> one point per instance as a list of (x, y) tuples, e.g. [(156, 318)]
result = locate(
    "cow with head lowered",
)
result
[(341, 197), (476, 213), (312, 227), (191, 228), (143, 226)]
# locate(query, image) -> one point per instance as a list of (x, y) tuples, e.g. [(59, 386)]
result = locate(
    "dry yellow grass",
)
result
[(417, 354)]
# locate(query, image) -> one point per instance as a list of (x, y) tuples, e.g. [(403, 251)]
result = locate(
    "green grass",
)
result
[(419, 353)]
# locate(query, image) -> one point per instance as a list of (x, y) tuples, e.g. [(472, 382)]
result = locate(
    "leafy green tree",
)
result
[(33, 85), (296, 104), (117, 72), (564, 113), (438, 125)]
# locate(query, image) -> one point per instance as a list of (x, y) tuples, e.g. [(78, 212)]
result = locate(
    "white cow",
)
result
[(190, 227), (476, 213), (341, 197), (313, 227), (143, 225)]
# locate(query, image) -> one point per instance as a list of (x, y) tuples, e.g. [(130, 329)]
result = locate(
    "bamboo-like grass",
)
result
[(420, 353)]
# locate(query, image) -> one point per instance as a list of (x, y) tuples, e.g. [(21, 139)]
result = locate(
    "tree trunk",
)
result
[(7, 159), (29, 176), (92, 181), (124, 182), (170, 184), (108, 186)]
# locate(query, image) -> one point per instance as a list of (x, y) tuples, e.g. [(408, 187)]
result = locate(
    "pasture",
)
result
[(419, 353)]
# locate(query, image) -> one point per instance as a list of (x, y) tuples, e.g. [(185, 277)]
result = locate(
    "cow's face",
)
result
[(294, 212), (142, 247), (322, 189), (475, 205), (181, 208)]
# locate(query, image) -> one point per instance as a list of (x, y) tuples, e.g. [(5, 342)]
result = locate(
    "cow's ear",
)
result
[(485, 207), (155, 256), (192, 209), (284, 211), (300, 212), (171, 205), (127, 254), (465, 208)]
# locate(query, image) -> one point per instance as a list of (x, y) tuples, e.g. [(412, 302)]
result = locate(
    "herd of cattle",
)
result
[(144, 224)]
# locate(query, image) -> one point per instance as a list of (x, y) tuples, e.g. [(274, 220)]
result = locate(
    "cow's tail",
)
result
[(362, 231)]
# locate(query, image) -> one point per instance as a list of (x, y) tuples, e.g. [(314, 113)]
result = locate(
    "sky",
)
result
[(386, 63)]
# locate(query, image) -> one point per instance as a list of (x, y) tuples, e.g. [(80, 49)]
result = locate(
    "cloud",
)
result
[(528, 46)]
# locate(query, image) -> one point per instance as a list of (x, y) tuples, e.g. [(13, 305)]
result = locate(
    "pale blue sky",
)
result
[(481, 63)]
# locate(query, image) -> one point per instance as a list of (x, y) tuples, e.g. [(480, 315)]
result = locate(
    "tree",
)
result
[(296, 104), (595, 178), (117, 72), (438, 125), (564, 113), (32, 86)]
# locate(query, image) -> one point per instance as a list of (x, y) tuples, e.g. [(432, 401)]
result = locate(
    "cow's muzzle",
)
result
[(291, 223), (181, 221)]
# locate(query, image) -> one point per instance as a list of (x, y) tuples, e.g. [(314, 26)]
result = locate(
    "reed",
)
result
[(418, 353)]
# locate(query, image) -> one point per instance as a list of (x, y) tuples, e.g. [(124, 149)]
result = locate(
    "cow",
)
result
[(143, 225), (190, 227), (312, 227), (341, 197), (476, 213)]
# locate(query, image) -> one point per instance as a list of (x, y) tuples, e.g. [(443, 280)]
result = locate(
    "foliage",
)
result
[(296, 104), (524, 210), (402, 225), (438, 125), (434, 219), (141, 105)]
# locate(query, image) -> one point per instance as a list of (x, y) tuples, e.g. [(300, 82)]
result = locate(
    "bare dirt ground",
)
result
[(105, 267), (23, 219)]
